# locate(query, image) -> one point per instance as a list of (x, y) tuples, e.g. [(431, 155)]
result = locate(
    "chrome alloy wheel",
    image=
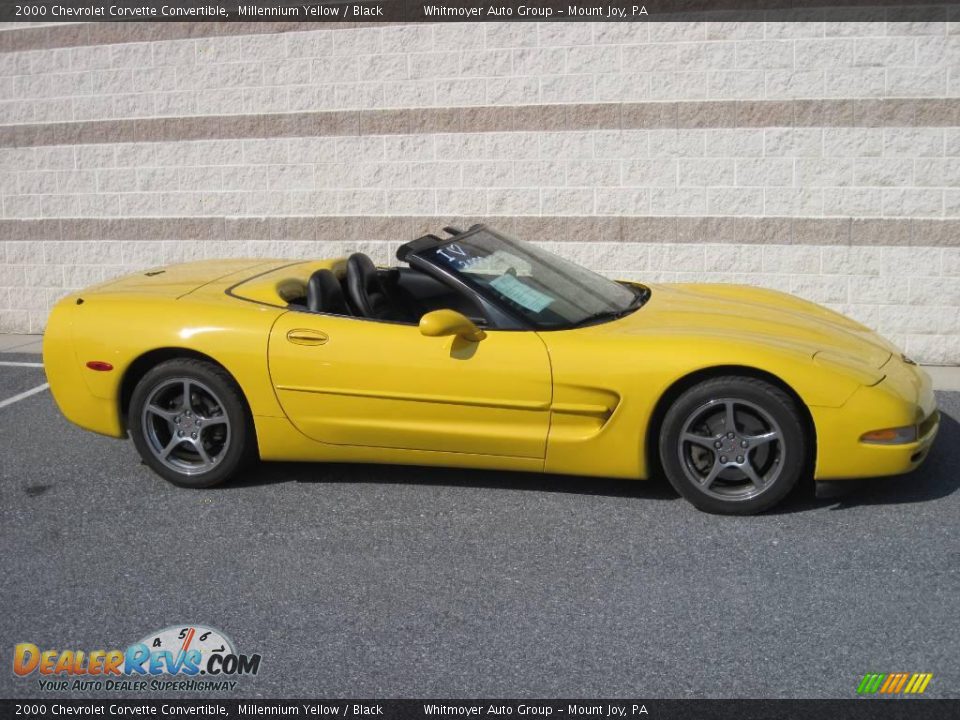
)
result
[(731, 449), (186, 426)]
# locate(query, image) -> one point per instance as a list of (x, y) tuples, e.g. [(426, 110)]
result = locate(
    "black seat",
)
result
[(324, 294), (367, 293)]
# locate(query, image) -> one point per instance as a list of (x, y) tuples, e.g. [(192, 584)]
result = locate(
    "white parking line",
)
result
[(20, 364), (21, 396)]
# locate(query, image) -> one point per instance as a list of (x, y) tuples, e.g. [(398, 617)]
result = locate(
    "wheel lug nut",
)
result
[(740, 459), (193, 435), (730, 435), (718, 444), (743, 443), (179, 433), (723, 458)]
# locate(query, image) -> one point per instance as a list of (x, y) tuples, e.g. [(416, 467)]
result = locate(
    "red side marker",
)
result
[(100, 366)]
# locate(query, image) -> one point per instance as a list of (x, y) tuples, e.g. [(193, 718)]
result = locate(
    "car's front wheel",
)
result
[(733, 445), (190, 424)]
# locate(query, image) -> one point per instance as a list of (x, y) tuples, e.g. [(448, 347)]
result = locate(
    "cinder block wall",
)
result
[(820, 158)]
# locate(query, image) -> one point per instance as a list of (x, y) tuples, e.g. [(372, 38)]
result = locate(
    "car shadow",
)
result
[(936, 478), (359, 473)]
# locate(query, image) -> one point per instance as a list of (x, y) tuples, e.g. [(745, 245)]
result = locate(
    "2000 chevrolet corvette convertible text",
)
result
[(483, 351)]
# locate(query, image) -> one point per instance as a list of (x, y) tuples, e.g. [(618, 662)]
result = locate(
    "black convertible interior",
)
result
[(397, 294)]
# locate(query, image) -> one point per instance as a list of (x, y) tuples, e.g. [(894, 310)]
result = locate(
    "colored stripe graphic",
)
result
[(918, 683), (894, 683), (901, 682)]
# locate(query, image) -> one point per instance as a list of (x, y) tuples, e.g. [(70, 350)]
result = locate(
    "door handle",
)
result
[(307, 337)]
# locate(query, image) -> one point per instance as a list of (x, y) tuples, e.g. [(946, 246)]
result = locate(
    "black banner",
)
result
[(860, 709), (475, 10)]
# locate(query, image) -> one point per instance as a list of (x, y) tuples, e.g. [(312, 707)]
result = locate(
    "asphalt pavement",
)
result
[(367, 581)]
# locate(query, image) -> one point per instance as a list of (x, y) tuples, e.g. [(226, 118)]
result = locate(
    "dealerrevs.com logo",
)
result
[(178, 658)]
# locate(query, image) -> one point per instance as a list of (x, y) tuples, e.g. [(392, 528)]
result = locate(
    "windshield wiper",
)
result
[(640, 297)]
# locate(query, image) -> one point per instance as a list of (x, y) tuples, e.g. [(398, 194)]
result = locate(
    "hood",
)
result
[(755, 315)]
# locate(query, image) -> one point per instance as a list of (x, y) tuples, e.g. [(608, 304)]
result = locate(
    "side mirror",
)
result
[(440, 323)]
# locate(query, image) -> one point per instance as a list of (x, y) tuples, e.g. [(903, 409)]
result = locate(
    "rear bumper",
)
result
[(904, 397), (69, 387)]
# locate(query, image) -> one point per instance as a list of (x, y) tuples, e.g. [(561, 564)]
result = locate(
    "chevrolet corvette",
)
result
[(481, 351)]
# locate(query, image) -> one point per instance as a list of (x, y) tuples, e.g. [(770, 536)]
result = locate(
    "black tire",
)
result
[(216, 417), (741, 471)]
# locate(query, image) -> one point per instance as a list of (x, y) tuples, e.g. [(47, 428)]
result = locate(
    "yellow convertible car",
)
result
[(483, 351)]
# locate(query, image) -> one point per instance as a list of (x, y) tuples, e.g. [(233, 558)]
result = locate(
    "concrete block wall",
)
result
[(820, 158)]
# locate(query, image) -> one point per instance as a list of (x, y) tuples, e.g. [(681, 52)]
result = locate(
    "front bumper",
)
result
[(904, 397)]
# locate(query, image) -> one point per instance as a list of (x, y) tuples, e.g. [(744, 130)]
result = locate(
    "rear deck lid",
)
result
[(177, 280)]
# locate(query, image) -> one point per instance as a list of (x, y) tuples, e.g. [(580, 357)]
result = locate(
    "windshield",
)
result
[(545, 289)]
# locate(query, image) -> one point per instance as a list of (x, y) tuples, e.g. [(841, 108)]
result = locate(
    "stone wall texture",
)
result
[(819, 158)]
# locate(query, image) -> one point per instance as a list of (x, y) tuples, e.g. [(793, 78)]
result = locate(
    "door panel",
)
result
[(358, 382)]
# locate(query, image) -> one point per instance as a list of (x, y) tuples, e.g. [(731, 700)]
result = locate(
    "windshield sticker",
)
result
[(456, 255), (513, 289)]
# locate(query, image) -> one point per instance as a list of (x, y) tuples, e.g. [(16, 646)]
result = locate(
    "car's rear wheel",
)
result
[(733, 445), (190, 424)]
